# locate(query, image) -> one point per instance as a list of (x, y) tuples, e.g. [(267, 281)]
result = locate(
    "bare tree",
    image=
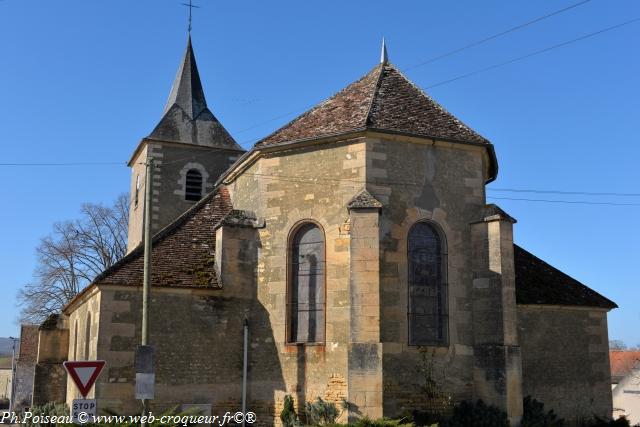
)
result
[(74, 253), (617, 345)]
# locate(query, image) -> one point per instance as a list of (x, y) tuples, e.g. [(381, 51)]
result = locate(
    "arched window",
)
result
[(75, 341), (428, 321), (193, 185), (87, 337), (306, 286)]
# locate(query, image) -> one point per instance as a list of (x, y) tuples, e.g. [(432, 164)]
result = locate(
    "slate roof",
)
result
[(540, 283), (182, 253), (186, 118), (384, 99), (622, 363)]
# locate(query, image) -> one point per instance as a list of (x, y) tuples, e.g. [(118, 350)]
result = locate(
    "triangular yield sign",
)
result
[(84, 373)]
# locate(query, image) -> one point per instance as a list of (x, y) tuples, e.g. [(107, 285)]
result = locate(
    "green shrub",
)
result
[(382, 422), (534, 415), (50, 409), (288, 414), (478, 414), (605, 422), (430, 417), (60, 409), (321, 413)]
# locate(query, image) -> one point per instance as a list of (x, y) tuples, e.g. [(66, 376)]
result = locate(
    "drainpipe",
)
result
[(244, 368)]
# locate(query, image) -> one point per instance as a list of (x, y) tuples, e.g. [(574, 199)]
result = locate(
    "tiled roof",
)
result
[(385, 100), (623, 362), (540, 283), (182, 253)]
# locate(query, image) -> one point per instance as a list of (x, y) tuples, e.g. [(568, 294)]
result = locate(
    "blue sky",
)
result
[(84, 81)]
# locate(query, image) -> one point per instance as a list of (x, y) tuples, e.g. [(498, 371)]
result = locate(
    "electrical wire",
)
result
[(581, 193), (66, 164), (316, 180), (537, 52), (481, 70), (578, 202), (494, 36)]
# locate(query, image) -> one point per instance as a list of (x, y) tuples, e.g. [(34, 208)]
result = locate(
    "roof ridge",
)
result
[(436, 103), (375, 90), (383, 99), (316, 107)]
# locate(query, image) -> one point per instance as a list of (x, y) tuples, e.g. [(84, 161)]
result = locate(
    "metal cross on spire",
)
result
[(190, 5)]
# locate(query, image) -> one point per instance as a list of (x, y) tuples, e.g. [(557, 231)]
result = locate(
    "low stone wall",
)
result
[(565, 359), (50, 383)]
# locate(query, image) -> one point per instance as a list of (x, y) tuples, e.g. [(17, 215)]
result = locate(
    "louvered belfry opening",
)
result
[(307, 286), (193, 185), (428, 320)]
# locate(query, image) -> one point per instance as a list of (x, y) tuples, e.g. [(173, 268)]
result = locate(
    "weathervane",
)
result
[(190, 5)]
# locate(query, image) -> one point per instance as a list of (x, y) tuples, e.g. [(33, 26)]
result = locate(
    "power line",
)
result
[(65, 164), (315, 181), (582, 193), (482, 70), (274, 118), (537, 52), (354, 180), (495, 36), (577, 202)]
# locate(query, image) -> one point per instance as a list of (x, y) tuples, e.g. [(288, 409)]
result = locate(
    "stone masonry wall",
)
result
[(197, 334), (415, 180), (444, 184), (84, 326), (50, 380), (5, 383), (25, 367), (565, 359), (287, 188), (172, 161), (136, 208)]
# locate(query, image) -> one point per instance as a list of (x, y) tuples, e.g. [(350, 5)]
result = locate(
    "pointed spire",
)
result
[(186, 118), (186, 91), (384, 57)]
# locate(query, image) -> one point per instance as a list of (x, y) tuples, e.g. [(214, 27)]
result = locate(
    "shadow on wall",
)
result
[(198, 337)]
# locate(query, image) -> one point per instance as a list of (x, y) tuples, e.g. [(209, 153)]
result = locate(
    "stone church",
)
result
[(356, 244)]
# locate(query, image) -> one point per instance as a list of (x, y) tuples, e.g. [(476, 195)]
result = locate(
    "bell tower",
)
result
[(190, 149)]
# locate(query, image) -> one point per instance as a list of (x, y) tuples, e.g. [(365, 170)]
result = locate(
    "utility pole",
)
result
[(13, 375), (147, 264)]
